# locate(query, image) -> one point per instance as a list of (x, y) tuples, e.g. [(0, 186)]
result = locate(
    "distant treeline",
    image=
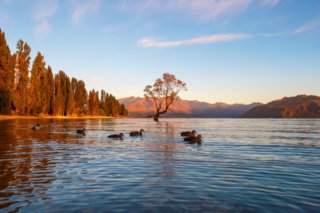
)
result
[(39, 92)]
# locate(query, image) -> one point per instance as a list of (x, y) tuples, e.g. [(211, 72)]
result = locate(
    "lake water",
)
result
[(243, 165)]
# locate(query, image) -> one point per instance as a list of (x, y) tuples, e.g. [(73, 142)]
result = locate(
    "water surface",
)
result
[(243, 165)]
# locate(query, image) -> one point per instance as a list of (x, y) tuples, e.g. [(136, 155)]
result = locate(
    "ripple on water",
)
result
[(244, 165)]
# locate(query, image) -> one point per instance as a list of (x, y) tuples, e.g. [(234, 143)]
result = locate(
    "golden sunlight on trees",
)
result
[(22, 64), (164, 93), (6, 75), (39, 92)]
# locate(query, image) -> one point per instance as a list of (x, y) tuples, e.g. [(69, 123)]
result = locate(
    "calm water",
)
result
[(242, 166)]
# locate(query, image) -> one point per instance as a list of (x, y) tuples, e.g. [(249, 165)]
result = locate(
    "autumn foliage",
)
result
[(37, 91), (164, 93)]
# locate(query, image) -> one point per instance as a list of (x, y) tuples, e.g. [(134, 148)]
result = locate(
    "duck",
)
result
[(194, 139), (188, 133), (36, 127), (117, 136), (81, 131), (137, 133)]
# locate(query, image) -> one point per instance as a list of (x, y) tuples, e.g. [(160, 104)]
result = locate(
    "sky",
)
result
[(232, 51)]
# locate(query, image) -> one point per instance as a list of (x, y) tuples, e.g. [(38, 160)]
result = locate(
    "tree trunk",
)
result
[(156, 117)]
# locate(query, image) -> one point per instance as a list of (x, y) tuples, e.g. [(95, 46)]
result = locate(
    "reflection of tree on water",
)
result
[(14, 164), (163, 150), (109, 124), (166, 128), (27, 163)]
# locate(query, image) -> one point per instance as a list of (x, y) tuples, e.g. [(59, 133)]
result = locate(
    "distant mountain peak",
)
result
[(300, 106), (139, 107)]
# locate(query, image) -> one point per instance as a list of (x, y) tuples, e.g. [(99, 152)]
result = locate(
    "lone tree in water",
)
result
[(164, 93)]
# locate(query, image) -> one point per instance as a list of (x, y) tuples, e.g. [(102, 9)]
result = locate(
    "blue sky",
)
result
[(233, 51)]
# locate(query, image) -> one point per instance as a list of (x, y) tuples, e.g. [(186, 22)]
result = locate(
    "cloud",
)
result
[(6, 1), (45, 9), (307, 26), (41, 13), (83, 9), (4, 16), (269, 3), (42, 29), (149, 42), (269, 35), (203, 10)]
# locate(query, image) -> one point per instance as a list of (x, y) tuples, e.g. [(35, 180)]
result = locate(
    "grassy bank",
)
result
[(11, 117)]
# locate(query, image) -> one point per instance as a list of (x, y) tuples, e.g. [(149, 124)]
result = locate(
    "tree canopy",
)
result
[(164, 93), (38, 91)]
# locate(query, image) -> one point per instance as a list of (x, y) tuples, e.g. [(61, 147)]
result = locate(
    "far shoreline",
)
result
[(25, 117)]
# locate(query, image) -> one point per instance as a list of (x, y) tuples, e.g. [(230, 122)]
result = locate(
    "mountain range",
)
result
[(139, 107), (301, 106)]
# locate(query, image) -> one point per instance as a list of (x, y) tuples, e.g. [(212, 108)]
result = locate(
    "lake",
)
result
[(243, 165)]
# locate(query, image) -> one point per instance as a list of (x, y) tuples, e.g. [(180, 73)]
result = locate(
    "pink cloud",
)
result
[(42, 12), (45, 9), (149, 42), (308, 26), (42, 29), (83, 9), (269, 3), (203, 10)]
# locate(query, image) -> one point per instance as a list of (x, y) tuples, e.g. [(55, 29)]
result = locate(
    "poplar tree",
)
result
[(50, 90), (60, 94), (70, 104), (123, 111), (93, 102), (37, 79), (80, 97), (22, 64), (6, 76), (45, 93)]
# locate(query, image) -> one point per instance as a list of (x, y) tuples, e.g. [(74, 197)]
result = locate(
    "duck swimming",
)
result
[(117, 136), (194, 139), (81, 131), (36, 127), (137, 133), (188, 133)]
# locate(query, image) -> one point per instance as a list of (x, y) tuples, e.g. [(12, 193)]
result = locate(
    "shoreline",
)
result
[(21, 117)]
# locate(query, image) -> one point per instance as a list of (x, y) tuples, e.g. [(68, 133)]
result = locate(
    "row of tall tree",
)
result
[(38, 91)]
